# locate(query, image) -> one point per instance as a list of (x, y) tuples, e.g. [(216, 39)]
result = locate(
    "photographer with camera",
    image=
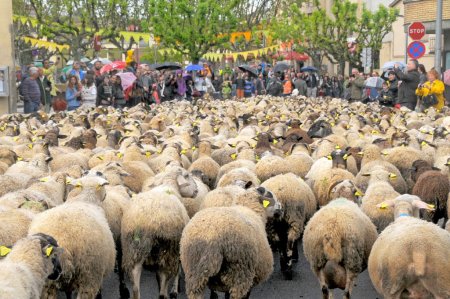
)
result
[(431, 93)]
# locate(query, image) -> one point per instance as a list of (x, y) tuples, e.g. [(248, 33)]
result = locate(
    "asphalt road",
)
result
[(304, 285)]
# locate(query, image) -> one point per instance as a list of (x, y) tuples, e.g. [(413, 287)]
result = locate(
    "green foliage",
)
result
[(75, 22), (325, 34), (193, 27)]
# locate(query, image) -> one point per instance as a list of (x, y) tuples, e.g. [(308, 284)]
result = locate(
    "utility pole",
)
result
[(438, 48)]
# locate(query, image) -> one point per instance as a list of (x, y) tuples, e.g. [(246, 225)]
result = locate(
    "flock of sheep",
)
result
[(212, 189)]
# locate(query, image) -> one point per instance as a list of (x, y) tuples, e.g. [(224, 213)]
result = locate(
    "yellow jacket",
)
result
[(437, 88), (50, 73)]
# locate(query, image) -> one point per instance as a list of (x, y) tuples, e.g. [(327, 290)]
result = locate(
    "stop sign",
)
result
[(416, 30)]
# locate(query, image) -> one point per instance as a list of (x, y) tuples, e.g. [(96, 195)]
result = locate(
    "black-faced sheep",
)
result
[(28, 265)]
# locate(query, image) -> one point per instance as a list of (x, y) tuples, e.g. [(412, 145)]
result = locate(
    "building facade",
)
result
[(394, 47)]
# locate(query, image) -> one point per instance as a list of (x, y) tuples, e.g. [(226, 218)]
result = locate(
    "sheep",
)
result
[(235, 164), (337, 243), (28, 265), (378, 191), (7, 158), (206, 164), (345, 189), (397, 181), (299, 204), (65, 161), (270, 166), (226, 248), (322, 185), (15, 224), (82, 230), (36, 167), (239, 176), (403, 157), (221, 197), (151, 230), (423, 248), (432, 187), (300, 163)]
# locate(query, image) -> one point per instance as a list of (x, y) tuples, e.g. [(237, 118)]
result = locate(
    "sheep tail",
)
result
[(419, 263), (332, 247), (335, 275), (203, 265)]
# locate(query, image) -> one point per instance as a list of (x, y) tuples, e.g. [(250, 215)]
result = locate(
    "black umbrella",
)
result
[(249, 69), (168, 66), (280, 67), (308, 69)]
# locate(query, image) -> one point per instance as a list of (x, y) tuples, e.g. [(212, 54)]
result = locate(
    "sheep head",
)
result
[(406, 205), (320, 129)]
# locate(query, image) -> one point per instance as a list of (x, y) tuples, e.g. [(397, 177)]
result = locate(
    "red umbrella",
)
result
[(292, 55), (116, 65)]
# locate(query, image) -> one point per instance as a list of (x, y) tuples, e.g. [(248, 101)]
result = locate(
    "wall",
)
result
[(7, 104), (424, 11)]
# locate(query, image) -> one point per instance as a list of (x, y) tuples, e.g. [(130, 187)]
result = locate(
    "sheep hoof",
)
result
[(124, 293), (287, 275), (173, 295)]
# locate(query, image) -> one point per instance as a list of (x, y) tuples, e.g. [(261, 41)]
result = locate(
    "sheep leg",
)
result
[(227, 295), (68, 294), (123, 290), (326, 294), (163, 285), (295, 252), (136, 280), (213, 295), (349, 284), (175, 286)]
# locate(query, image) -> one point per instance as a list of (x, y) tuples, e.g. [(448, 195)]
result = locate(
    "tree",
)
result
[(76, 22), (323, 33), (192, 27)]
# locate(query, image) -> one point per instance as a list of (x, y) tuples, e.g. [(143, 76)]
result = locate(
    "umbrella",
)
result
[(70, 62), (194, 67), (446, 77), (308, 69), (66, 69), (116, 65), (280, 67), (168, 66), (390, 65), (374, 82), (127, 79), (249, 69), (84, 59), (102, 60), (154, 66)]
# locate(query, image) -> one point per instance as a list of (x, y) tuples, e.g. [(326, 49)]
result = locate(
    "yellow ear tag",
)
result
[(183, 152), (68, 181), (216, 129), (345, 157), (384, 153), (329, 157), (193, 148), (33, 139), (159, 151), (16, 138), (358, 193), (233, 156), (78, 185), (4, 250), (392, 176), (148, 154), (360, 153), (275, 141), (19, 158), (100, 158), (44, 180), (374, 132), (30, 146), (337, 147), (266, 203), (430, 206), (257, 158), (49, 250), (361, 135), (383, 206), (108, 122), (423, 143), (119, 155), (347, 127)]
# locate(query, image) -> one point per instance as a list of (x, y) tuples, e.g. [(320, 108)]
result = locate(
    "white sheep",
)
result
[(337, 243), (82, 230)]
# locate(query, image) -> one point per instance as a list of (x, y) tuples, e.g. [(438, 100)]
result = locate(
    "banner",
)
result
[(45, 44), (255, 53)]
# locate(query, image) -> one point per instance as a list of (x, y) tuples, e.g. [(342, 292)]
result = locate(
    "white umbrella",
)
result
[(84, 59), (102, 60), (70, 62)]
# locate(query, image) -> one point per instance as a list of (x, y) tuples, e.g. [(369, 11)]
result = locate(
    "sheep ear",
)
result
[(422, 205), (48, 159), (248, 184), (62, 136), (261, 190), (365, 174)]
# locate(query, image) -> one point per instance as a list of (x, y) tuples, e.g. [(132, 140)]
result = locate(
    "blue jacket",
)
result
[(70, 97), (249, 87)]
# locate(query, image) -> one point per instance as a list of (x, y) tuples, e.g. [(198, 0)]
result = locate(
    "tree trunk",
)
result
[(342, 68)]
